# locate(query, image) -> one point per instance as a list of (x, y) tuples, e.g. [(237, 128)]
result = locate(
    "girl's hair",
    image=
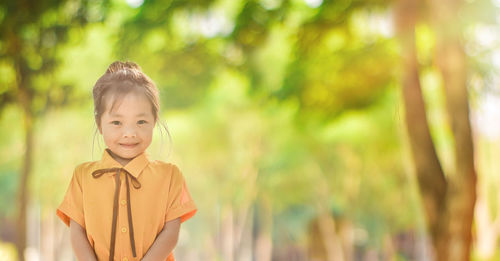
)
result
[(122, 78)]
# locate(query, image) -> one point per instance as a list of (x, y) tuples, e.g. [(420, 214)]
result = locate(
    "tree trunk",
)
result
[(244, 212), (244, 247), (450, 59), (227, 233), (346, 236), (462, 193), (264, 226), (25, 99), (430, 175), (48, 235), (325, 242), (326, 223), (23, 192), (448, 203)]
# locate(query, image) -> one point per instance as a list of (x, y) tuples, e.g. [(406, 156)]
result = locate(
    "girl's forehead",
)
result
[(129, 103)]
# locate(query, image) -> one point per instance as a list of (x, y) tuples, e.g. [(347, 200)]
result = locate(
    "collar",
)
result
[(134, 167)]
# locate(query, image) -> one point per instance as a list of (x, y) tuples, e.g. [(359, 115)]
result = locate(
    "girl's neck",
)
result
[(122, 161)]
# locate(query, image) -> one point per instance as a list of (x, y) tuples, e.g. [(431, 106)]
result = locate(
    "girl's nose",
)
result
[(129, 133)]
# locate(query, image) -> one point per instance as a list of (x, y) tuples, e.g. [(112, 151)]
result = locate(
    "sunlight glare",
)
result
[(486, 36), (487, 116), (134, 3), (315, 3)]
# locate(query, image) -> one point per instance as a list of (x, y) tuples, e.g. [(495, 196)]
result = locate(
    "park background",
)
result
[(306, 129)]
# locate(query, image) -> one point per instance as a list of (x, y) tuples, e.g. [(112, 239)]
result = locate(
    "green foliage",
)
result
[(29, 37), (12, 149), (59, 132), (8, 252)]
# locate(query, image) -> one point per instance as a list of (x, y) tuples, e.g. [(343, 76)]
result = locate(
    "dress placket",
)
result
[(123, 220), (118, 229)]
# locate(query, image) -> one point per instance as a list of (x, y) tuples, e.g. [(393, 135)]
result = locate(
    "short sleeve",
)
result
[(72, 204), (179, 201)]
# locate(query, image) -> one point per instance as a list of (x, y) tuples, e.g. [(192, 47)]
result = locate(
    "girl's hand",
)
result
[(79, 242), (165, 241)]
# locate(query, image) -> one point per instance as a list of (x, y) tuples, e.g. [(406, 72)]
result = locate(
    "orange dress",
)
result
[(97, 200)]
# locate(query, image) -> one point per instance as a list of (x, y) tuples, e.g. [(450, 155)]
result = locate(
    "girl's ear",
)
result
[(99, 128), (98, 123)]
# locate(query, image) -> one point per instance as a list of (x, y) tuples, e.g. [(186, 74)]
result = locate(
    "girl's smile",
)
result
[(129, 146)]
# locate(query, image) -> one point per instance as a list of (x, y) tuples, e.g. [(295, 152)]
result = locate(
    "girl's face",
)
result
[(128, 129)]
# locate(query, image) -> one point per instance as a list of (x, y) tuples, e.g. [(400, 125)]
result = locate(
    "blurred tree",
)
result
[(324, 49), (30, 34), (172, 49), (448, 199)]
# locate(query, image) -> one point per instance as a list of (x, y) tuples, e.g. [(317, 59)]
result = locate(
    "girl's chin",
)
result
[(126, 154)]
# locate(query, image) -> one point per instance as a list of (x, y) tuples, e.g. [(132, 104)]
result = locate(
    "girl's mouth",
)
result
[(129, 146)]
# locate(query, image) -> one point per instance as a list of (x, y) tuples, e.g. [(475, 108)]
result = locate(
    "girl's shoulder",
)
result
[(86, 168), (164, 167), (158, 164)]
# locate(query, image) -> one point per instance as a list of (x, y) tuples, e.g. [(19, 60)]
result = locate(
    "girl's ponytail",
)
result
[(119, 66)]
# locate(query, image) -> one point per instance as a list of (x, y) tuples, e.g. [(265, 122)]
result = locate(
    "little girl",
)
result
[(124, 206)]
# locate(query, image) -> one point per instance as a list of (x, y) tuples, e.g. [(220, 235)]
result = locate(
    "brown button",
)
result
[(124, 229), (123, 202)]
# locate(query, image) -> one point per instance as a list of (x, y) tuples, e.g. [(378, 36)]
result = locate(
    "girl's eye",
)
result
[(115, 123), (142, 122)]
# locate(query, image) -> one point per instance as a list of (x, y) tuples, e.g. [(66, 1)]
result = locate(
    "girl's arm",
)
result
[(79, 242), (164, 242)]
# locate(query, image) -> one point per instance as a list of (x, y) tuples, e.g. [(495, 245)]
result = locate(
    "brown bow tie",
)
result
[(98, 173)]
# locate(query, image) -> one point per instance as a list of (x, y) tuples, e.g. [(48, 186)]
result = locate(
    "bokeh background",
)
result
[(306, 129)]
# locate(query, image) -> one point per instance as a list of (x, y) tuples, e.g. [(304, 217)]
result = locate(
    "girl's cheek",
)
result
[(145, 132)]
